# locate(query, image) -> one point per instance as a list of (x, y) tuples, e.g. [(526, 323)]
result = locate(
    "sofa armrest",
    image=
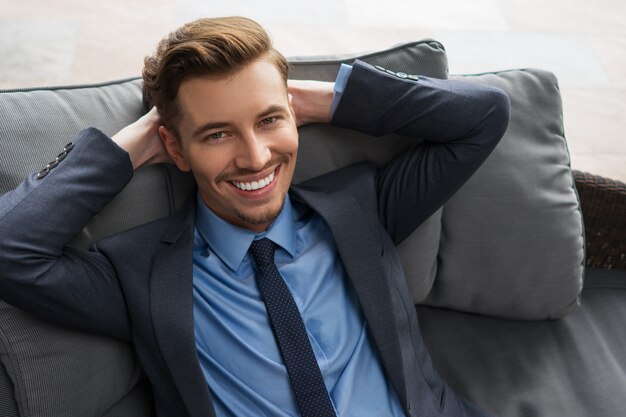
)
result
[(603, 204)]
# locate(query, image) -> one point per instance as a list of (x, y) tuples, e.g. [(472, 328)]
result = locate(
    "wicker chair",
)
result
[(603, 203)]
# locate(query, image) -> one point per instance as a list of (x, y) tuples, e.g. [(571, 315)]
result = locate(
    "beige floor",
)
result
[(584, 43)]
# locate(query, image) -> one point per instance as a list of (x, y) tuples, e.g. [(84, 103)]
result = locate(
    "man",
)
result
[(216, 299)]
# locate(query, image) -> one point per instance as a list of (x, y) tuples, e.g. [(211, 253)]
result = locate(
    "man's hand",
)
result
[(311, 100), (142, 141)]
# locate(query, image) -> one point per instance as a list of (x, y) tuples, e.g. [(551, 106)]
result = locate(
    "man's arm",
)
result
[(460, 122), (38, 272)]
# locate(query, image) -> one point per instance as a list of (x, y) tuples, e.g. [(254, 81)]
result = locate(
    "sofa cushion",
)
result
[(8, 403), (574, 367), (512, 237), (37, 123), (57, 372)]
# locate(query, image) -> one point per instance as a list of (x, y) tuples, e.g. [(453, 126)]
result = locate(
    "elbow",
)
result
[(499, 112), (495, 110)]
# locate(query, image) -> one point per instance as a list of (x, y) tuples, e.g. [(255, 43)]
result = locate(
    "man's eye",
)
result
[(216, 135), (269, 120)]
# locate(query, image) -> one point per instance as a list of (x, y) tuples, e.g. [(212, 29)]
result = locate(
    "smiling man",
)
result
[(245, 126), (260, 297)]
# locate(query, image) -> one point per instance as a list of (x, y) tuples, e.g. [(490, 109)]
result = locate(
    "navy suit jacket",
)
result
[(137, 285)]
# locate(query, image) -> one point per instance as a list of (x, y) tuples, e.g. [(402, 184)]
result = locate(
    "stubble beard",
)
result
[(262, 219)]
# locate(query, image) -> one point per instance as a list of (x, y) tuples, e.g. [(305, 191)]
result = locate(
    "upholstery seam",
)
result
[(317, 60), (70, 86)]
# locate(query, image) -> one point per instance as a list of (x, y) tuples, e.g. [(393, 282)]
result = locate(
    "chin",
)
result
[(259, 221)]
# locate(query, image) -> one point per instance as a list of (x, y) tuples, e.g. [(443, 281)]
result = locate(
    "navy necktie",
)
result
[(293, 341)]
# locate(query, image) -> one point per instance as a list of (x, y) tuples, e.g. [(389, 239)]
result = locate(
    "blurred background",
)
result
[(59, 42)]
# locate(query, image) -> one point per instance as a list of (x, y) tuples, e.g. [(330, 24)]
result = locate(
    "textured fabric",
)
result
[(305, 376), (8, 406), (574, 367), (245, 368), (514, 249), (58, 372)]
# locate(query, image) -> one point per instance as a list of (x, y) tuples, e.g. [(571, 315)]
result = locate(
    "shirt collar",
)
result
[(231, 243)]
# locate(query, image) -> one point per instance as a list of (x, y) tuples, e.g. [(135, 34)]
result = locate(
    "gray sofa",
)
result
[(522, 305)]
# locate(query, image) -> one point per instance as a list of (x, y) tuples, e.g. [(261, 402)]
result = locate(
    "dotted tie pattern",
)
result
[(288, 327)]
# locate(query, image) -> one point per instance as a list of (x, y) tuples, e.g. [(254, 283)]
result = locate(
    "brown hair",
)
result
[(211, 46)]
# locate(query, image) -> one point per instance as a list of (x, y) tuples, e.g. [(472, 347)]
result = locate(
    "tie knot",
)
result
[(262, 251)]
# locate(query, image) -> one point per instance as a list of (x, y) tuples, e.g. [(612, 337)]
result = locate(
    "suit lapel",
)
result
[(171, 305), (360, 253)]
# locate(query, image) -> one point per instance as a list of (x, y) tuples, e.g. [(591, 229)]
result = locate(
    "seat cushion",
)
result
[(8, 403), (574, 367), (56, 372)]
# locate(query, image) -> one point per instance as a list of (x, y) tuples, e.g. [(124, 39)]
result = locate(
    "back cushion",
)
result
[(512, 238)]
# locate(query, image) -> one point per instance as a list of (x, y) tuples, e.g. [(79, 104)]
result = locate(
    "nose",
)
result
[(254, 152)]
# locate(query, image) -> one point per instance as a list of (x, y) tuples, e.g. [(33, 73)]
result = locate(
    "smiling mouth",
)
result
[(254, 185)]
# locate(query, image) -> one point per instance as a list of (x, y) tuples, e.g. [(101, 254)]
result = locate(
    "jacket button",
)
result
[(42, 173), (66, 149), (52, 164), (61, 156), (401, 74), (413, 77)]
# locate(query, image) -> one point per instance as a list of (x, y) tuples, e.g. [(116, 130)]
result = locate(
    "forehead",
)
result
[(233, 97)]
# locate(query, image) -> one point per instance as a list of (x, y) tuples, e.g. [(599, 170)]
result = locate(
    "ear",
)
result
[(290, 100), (292, 109), (173, 148)]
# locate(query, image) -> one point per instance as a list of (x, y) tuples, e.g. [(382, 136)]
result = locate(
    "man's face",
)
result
[(238, 136)]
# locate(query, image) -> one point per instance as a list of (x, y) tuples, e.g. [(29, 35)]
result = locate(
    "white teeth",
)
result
[(254, 185)]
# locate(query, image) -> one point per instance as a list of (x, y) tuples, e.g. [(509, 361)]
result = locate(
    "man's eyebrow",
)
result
[(208, 126), (274, 108)]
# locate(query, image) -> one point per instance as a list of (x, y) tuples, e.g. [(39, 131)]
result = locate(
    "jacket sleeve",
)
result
[(38, 271), (459, 124)]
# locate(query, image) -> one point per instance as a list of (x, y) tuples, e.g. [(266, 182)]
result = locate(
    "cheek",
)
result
[(206, 165), (289, 140)]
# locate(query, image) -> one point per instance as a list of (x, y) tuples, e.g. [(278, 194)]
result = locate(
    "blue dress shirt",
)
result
[(236, 347)]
